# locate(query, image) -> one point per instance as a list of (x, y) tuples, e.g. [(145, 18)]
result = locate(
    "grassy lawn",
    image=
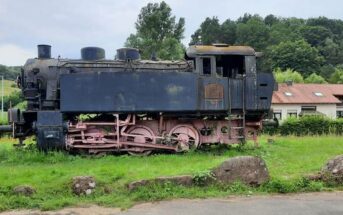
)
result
[(9, 87), (288, 159)]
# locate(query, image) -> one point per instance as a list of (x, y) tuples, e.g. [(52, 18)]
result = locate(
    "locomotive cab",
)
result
[(221, 60), (249, 91)]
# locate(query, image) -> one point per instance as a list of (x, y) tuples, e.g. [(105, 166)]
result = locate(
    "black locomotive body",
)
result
[(215, 95)]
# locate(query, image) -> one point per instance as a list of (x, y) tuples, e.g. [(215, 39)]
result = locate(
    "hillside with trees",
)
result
[(9, 72), (311, 47)]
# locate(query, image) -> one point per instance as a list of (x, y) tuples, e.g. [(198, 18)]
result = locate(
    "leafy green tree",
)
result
[(337, 76), (315, 35), (315, 79), (246, 17), (253, 33), (158, 32), (196, 38), (271, 20), (298, 55), (332, 52), (13, 99), (211, 31), (334, 25), (326, 71), (228, 32), (287, 75)]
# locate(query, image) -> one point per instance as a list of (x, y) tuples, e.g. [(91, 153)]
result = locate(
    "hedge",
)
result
[(308, 125)]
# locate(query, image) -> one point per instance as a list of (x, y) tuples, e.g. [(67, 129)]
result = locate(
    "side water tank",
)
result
[(92, 53), (128, 54)]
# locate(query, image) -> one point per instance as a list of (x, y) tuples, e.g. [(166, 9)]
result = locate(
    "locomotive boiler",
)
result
[(92, 104)]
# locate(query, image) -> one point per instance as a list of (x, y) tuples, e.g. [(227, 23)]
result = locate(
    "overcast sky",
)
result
[(69, 25)]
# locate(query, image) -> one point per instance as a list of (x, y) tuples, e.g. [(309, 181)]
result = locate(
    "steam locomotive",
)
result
[(96, 105)]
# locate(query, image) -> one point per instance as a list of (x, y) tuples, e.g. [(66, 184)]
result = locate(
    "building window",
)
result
[(308, 108), (340, 114), (292, 113), (277, 114)]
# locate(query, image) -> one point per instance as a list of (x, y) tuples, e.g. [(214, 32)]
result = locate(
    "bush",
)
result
[(311, 125), (13, 99)]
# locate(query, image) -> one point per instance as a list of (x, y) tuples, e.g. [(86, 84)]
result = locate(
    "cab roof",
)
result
[(219, 49)]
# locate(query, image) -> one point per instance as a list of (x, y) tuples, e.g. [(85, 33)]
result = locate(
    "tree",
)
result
[(282, 32), (332, 52), (334, 25), (9, 72), (298, 55), (315, 35), (337, 76), (315, 79), (326, 71), (270, 20), (158, 32), (253, 33), (287, 75), (211, 31), (246, 17), (228, 32)]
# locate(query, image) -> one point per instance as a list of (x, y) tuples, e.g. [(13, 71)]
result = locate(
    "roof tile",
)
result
[(304, 93)]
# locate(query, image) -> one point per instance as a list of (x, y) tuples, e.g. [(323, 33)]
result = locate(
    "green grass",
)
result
[(9, 87), (288, 159)]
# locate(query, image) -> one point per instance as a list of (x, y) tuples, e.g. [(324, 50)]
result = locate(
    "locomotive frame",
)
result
[(139, 106)]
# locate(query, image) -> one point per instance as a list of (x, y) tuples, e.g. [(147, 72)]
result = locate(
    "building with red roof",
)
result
[(292, 99)]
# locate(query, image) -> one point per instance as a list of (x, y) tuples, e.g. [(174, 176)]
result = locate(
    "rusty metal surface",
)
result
[(196, 50), (142, 136), (214, 91)]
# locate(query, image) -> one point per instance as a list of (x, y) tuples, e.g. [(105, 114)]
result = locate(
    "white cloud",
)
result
[(12, 55)]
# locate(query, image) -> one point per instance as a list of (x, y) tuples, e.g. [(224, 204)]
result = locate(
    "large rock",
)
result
[(333, 170), (247, 169), (83, 185), (24, 190), (184, 180)]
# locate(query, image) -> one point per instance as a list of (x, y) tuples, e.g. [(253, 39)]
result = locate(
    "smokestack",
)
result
[(44, 51)]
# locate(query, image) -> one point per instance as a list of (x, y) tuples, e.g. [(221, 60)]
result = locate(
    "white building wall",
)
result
[(327, 109)]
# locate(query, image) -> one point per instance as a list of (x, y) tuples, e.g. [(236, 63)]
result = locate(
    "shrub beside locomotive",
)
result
[(139, 106)]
